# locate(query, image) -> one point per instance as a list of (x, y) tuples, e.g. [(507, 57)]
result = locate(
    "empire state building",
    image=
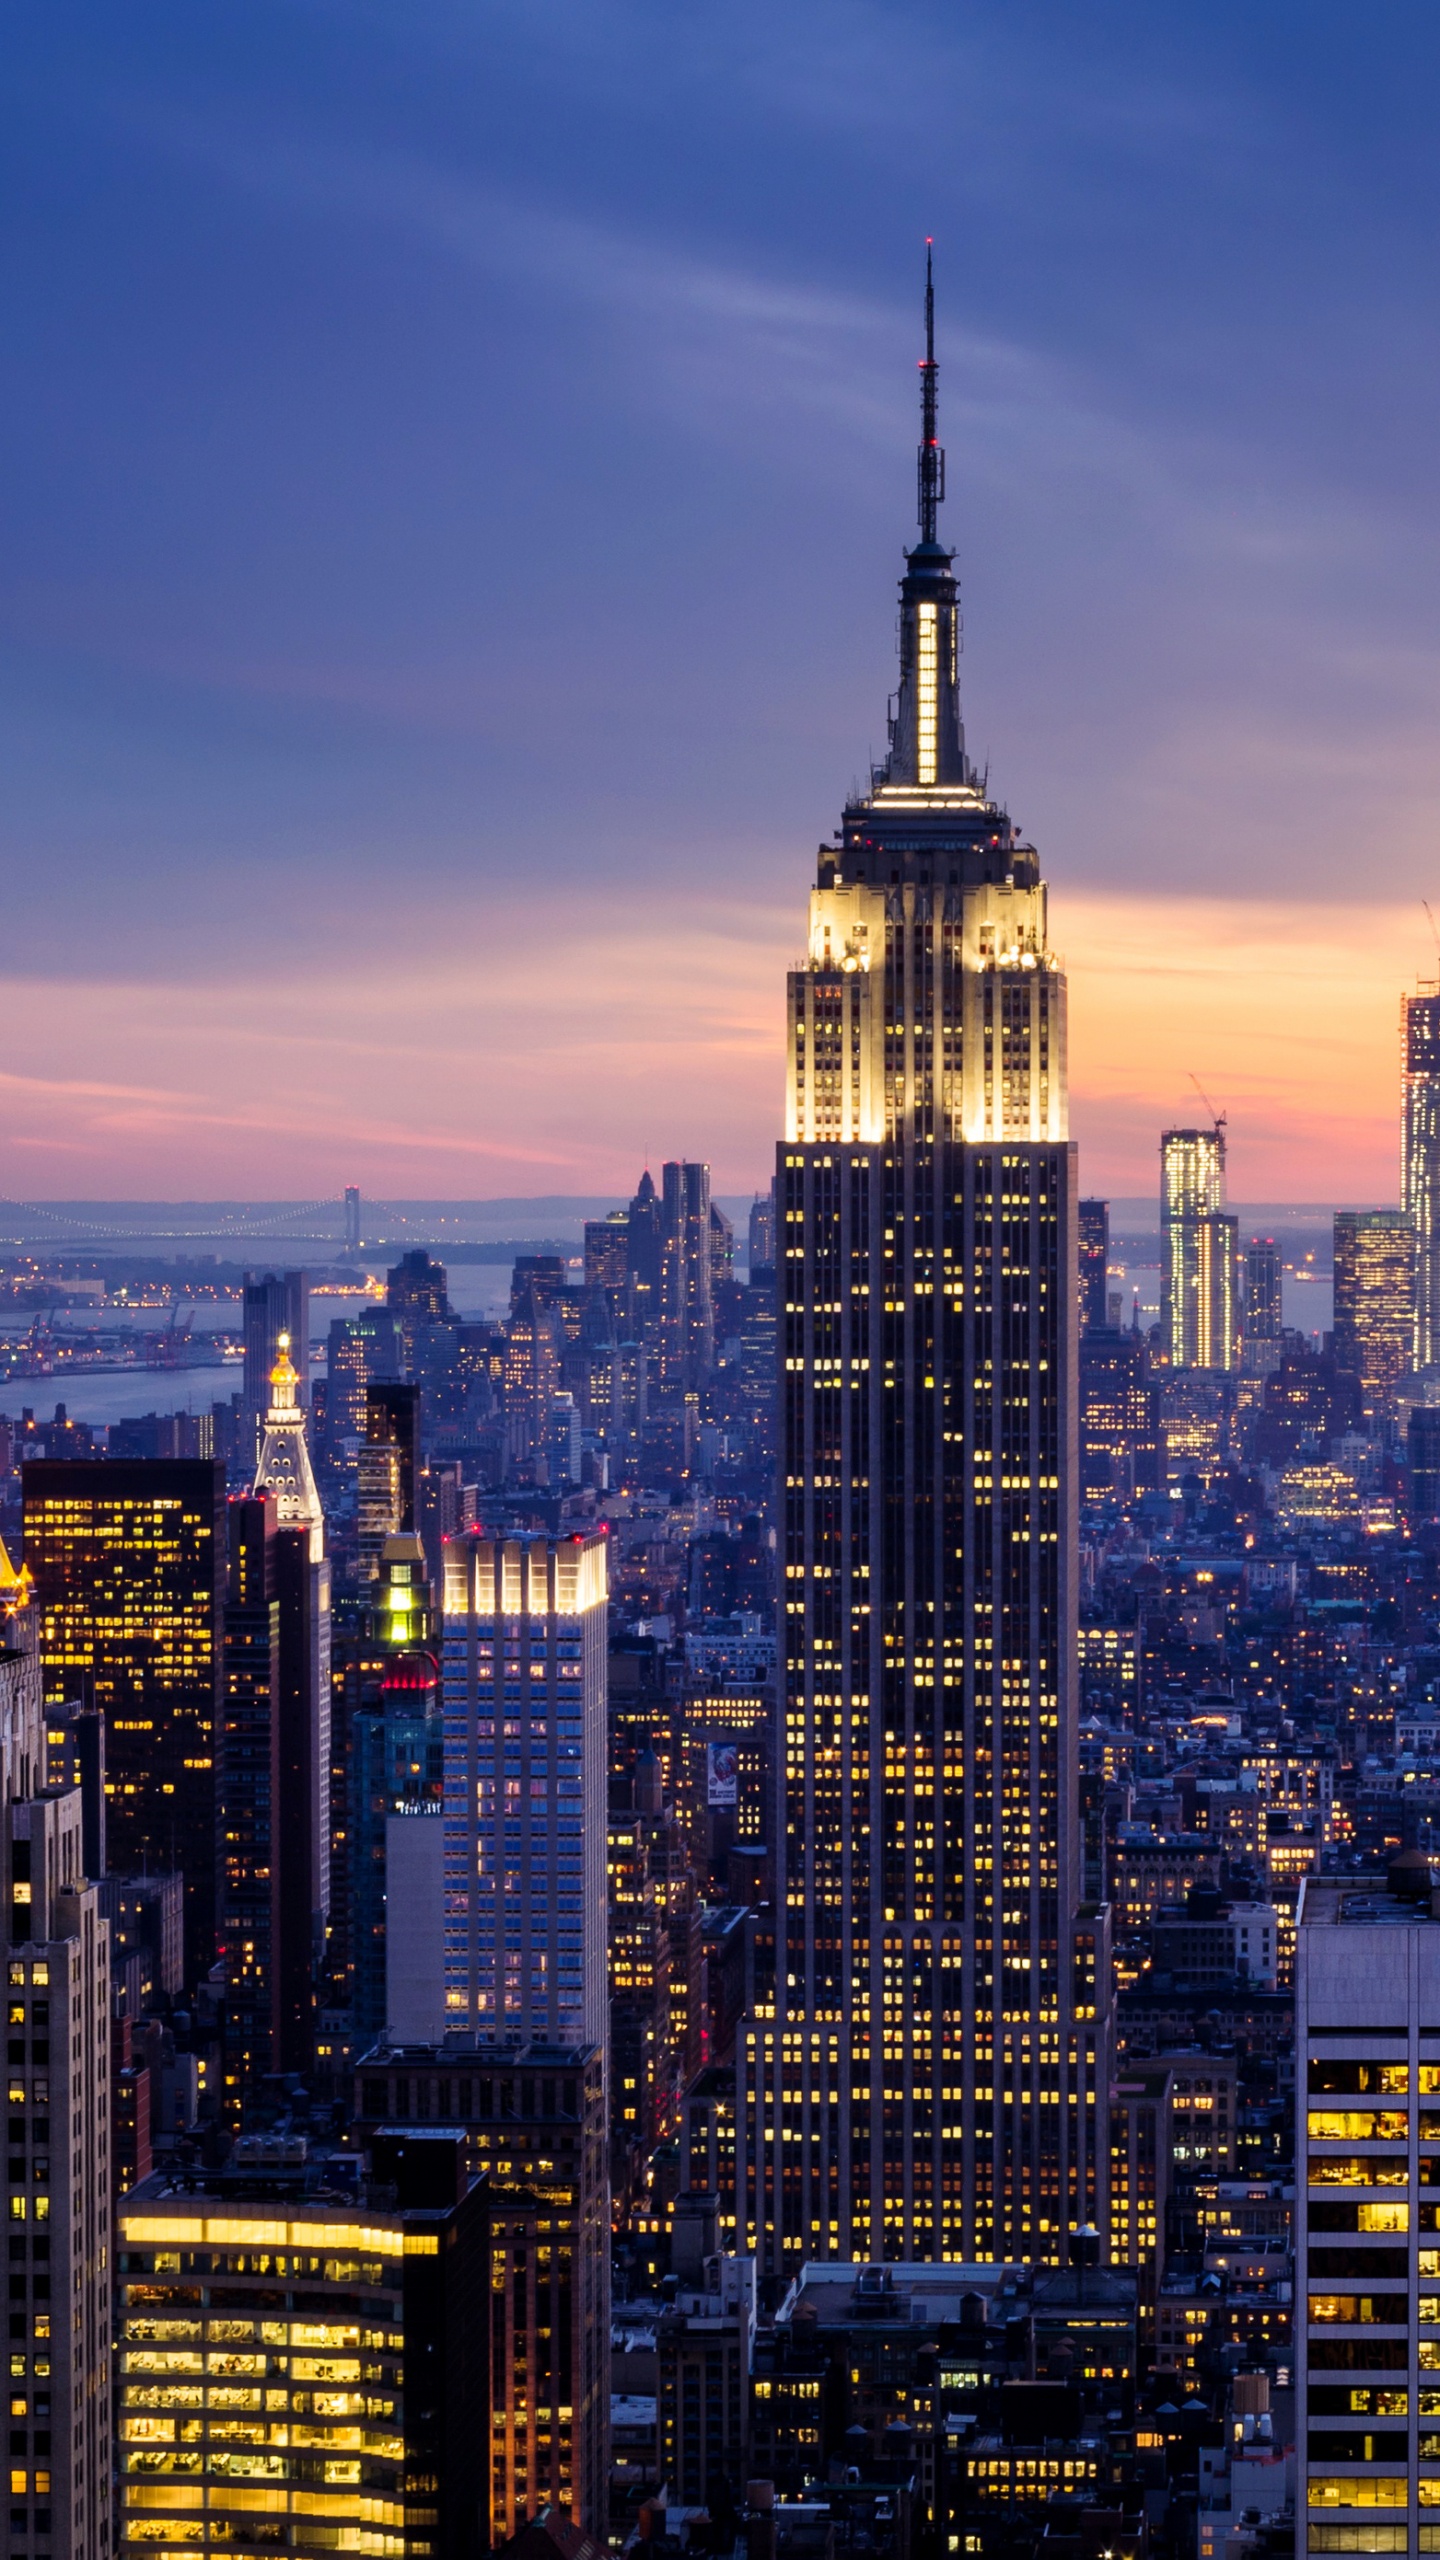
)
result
[(932, 2079)]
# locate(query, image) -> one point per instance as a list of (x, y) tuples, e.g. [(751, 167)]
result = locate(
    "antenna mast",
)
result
[(931, 458)]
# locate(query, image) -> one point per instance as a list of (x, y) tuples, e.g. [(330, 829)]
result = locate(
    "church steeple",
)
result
[(927, 741)]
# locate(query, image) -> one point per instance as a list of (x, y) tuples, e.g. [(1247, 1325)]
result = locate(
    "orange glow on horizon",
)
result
[(565, 1054)]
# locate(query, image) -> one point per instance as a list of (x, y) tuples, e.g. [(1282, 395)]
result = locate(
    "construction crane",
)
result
[(1217, 1117)]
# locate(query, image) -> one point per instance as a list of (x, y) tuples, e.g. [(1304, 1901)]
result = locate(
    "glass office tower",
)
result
[(524, 1691)]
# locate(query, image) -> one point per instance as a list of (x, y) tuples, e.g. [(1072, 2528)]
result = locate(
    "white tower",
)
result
[(284, 1467)]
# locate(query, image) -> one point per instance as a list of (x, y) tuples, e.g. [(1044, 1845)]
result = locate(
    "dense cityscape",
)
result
[(776, 1895)]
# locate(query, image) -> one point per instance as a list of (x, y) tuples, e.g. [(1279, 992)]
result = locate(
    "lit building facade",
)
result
[(1420, 1158), (1375, 1303), (129, 1560), (301, 2366), (930, 2081), (1121, 1437), (524, 1667), (1200, 1313), (1367, 2326), (533, 2119), (58, 2184)]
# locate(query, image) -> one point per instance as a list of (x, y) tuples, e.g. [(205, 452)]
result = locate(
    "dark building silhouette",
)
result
[(687, 1248), (389, 1467), (1307, 1398), (1121, 1441), (607, 1257), (643, 1220), (248, 1788), (1264, 1317), (1094, 1224), (276, 1302), (1423, 1452)]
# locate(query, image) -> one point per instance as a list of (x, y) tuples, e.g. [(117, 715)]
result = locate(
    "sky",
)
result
[(455, 461)]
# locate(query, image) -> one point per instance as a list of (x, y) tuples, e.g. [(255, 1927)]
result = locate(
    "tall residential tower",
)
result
[(1201, 1314), (931, 2082)]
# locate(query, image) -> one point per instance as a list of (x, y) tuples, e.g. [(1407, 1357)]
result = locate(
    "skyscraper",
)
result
[(1094, 1263), (687, 1302), (643, 1225), (345, 2410), (524, 1671), (931, 2080), (129, 1559), (58, 2202), (276, 1302), (1264, 1306), (1367, 1983), (248, 1794), (389, 1469), (762, 1231), (524, 1691), (1420, 1158), (1200, 1314), (398, 1745), (534, 2120), (1375, 1302), (302, 1811)]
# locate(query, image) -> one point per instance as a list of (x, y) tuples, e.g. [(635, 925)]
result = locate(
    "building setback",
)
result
[(931, 2079)]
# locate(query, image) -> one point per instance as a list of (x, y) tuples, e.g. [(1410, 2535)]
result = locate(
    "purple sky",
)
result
[(455, 466)]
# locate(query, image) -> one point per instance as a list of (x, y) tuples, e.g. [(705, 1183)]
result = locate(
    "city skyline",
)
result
[(275, 631), (720, 1556)]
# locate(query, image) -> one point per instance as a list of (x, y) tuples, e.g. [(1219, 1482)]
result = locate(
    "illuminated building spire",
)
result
[(16, 1586), (927, 741), (931, 457), (284, 1468)]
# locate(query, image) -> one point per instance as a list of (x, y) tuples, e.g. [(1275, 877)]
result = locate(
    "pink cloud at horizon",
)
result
[(564, 1054)]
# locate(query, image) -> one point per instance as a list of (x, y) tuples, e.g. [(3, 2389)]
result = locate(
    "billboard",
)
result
[(723, 1773)]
